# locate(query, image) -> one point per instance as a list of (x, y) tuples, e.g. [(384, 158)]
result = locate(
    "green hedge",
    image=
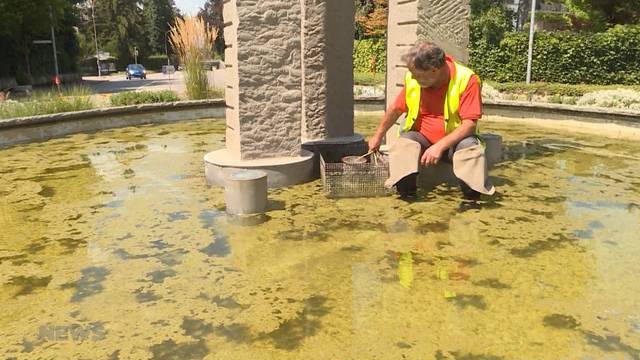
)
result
[(367, 49), (142, 97), (155, 62), (611, 57)]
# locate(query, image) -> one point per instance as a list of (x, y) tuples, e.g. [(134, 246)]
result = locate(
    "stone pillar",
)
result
[(327, 88), (264, 73), (263, 93), (444, 22), (327, 69)]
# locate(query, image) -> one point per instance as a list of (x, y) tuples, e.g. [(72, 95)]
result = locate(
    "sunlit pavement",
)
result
[(115, 83)]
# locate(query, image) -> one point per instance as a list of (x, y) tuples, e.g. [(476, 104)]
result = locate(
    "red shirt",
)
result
[(430, 121)]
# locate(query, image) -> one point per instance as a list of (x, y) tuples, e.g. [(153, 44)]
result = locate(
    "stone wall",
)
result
[(43, 127)]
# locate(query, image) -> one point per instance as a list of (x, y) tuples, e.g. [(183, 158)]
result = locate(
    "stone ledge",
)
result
[(24, 130), (110, 111), (281, 172)]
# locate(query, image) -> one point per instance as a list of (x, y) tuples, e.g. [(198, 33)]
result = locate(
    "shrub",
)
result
[(548, 89), (619, 98), (364, 51), (368, 79), (555, 99), (215, 93), (611, 57), (50, 102), (142, 97), (489, 92), (155, 62)]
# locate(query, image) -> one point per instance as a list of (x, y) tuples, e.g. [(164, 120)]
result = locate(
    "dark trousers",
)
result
[(408, 184)]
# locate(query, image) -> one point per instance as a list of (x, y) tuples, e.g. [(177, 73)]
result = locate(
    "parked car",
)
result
[(135, 70)]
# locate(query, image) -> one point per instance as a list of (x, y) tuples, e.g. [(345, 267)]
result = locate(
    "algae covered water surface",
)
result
[(113, 247)]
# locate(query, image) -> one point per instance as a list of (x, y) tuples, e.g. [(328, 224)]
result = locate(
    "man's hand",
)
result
[(432, 155), (374, 143)]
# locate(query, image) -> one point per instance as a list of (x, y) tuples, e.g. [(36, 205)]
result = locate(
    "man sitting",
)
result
[(442, 102)]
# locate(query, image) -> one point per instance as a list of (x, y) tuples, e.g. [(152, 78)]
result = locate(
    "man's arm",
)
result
[(433, 154), (391, 115)]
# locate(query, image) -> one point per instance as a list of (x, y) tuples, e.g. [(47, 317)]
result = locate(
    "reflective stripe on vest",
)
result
[(457, 86)]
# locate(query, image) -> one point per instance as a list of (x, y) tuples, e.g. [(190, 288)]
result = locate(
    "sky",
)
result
[(190, 7)]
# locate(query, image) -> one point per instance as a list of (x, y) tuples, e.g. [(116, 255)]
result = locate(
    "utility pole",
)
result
[(55, 55), (532, 30), (135, 54), (166, 46), (95, 35)]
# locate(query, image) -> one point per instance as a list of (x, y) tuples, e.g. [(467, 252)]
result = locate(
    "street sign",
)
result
[(42, 41)]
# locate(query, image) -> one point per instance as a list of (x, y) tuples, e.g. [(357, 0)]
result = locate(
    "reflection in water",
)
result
[(118, 228)]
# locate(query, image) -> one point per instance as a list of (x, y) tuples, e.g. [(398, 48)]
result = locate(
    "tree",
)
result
[(22, 22), (371, 18), (598, 15), (488, 23), (211, 13), (159, 15), (120, 28)]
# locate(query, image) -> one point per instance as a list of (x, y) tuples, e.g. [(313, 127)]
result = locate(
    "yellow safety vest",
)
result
[(457, 85)]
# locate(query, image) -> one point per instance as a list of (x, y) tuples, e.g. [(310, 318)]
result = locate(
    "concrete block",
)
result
[(245, 192)]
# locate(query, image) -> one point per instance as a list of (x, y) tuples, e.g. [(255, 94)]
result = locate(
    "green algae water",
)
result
[(113, 247)]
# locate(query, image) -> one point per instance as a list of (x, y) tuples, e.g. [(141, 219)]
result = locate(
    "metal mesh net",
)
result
[(342, 180)]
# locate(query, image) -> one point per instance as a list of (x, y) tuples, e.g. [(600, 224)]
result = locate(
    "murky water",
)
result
[(112, 247)]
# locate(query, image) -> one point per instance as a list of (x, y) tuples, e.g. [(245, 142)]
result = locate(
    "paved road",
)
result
[(154, 82)]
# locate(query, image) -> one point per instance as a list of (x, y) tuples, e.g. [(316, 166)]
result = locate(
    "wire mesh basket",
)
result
[(354, 177)]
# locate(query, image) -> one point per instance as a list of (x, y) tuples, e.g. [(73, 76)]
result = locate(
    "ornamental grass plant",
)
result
[(193, 41)]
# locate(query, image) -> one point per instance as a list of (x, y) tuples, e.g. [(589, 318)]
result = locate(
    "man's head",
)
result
[(426, 61)]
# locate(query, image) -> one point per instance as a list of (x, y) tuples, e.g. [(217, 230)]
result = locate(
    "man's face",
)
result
[(426, 78)]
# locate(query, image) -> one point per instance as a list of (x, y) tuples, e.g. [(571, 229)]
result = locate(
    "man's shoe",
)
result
[(468, 193), (408, 196)]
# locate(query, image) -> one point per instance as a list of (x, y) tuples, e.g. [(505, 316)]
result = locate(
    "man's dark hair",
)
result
[(424, 55)]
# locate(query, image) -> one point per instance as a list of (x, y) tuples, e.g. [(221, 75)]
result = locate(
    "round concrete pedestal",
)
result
[(283, 171), (493, 150), (245, 192)]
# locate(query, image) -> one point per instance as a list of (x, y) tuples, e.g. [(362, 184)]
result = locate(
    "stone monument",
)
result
[(289, 84), (289, 78)]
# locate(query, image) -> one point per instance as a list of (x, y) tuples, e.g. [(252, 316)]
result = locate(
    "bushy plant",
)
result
[(548, 89), (489, 92), (155, 62), (142, 97), (49, 102), (193, 40), (366, 51), (216, 93), (368, 79), (619, 98)]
